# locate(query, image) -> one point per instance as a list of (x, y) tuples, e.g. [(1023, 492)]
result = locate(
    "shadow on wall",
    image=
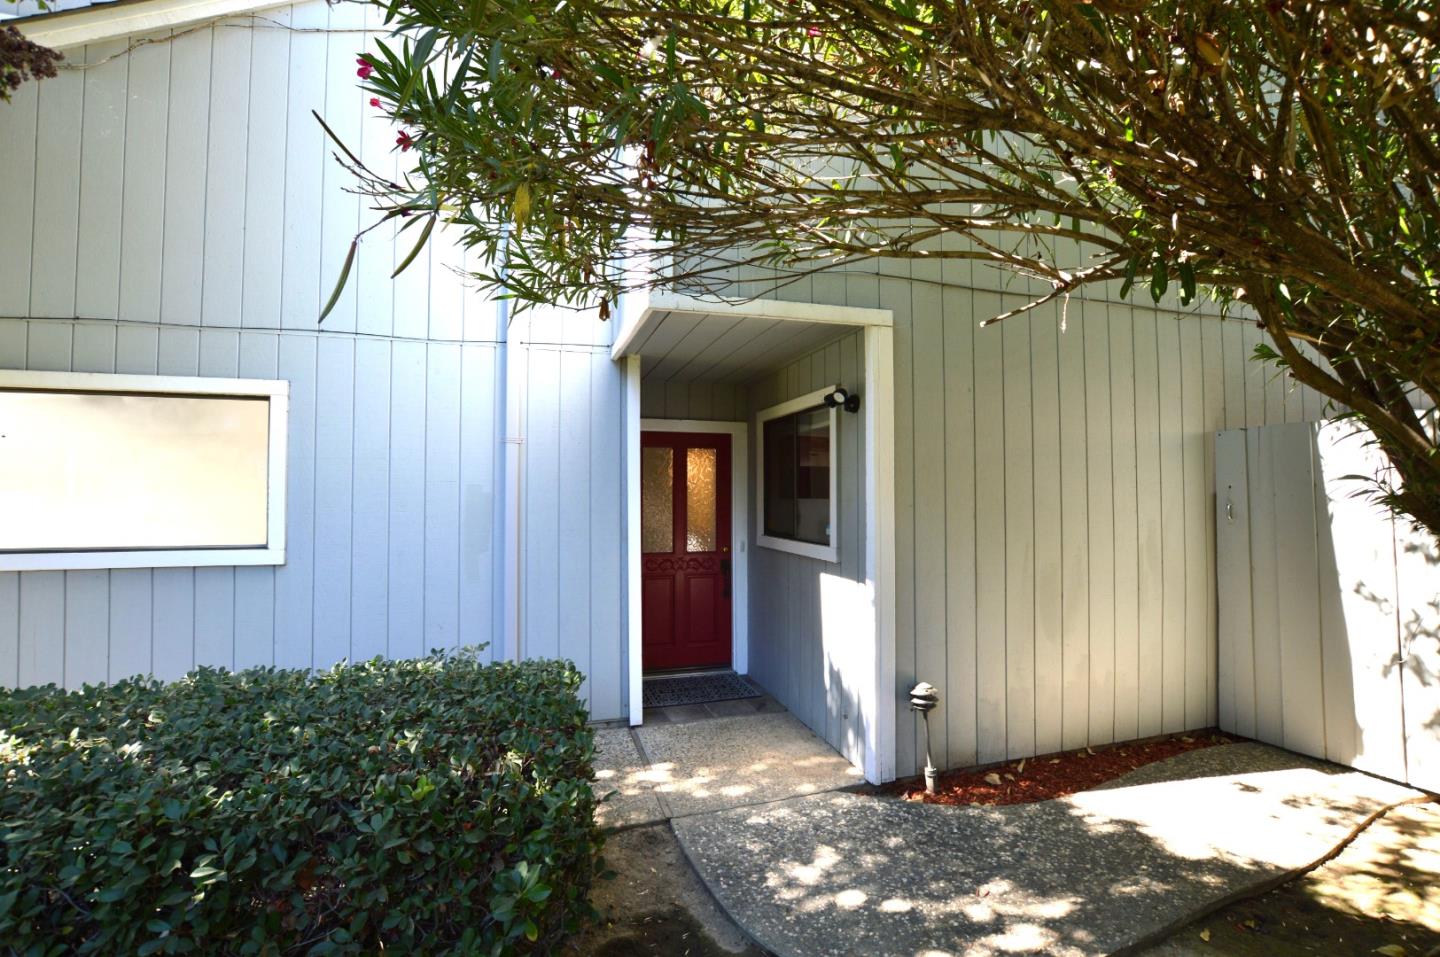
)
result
[(811, 646), (1410, 660), (1420, 621)]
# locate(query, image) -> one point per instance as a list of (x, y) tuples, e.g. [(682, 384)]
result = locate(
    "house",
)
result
[(1021, 515)]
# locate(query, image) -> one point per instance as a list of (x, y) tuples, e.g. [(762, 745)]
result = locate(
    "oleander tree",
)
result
[(1279, 156), (22, 59)]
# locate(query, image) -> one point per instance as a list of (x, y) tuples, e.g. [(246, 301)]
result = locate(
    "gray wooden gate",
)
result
[(1329, 609)]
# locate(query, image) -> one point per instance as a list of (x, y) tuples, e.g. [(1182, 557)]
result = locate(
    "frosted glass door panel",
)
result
[(657, 499), (700, 500)]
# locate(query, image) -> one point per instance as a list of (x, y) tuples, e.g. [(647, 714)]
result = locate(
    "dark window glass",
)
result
[(797, 476)]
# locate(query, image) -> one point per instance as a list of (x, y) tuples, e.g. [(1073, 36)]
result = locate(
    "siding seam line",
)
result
[(316, 333), (79, 198), (34, 203), (164, 208), (205, 180)]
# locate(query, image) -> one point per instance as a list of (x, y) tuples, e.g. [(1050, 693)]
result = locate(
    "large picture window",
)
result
[(796, 477), (115, 471)]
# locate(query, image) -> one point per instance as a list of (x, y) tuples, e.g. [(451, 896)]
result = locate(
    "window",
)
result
[(120, 471), (796, 477)]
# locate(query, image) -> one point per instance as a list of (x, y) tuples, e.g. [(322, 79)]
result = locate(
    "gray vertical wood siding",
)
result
[(1055, 542), (707, 401), (802, 642), (390, 550), (1054, 508)]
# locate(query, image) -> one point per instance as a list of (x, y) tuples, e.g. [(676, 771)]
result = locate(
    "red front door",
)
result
[(685, 546)]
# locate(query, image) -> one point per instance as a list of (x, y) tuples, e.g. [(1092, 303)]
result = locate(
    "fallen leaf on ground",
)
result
[(992, 778), (1205, 935), (1391, 950)]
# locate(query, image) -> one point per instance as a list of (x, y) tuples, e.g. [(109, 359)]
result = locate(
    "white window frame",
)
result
[(810, 400), (277, 391)]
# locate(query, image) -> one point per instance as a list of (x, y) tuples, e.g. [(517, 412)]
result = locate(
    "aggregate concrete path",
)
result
[(698, 766), (849, 875)]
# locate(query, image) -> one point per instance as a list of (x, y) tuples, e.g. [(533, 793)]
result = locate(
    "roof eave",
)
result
[(112, 21)]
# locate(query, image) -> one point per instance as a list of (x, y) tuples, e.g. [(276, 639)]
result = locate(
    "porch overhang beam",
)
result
[(644, 313)]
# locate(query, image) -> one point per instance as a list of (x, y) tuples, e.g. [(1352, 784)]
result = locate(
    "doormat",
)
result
[(664, 692)]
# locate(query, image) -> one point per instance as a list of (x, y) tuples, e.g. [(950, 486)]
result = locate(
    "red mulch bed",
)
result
[(1052, 775)]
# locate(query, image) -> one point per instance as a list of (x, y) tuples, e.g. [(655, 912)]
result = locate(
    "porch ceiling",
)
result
[(685, 340), (690, 347)]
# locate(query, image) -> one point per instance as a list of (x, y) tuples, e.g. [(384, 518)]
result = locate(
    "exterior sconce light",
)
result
[(844, 399), (923, 698)]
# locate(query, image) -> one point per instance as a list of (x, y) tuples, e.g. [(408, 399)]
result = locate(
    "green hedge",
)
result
[(437, 806)]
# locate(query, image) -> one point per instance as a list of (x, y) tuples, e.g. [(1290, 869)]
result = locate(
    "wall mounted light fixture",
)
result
[(844, 399)]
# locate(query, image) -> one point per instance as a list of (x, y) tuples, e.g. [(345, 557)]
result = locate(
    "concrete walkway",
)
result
[(845, 874), (670, 768)]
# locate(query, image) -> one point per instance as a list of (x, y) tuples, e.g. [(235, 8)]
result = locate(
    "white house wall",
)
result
[(571, 500), (175, 209), (1330, 606), (389, 513)]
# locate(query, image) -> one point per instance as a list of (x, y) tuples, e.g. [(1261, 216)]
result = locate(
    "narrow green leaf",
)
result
[(331, 133), (419, 61), (1187, 283), (496, 55), (458, 83), (419, 245), (340, 283), (1132, 267), (1159, 279), (1287, 305)]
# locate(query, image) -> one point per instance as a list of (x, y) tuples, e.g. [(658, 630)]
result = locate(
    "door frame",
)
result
[(739, 433)]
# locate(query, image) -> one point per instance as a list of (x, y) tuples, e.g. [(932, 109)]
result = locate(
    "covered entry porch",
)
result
[(786, 577)]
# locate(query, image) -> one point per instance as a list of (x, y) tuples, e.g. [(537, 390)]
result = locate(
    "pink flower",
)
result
[(375, 102), (404, 141), (812, 31), (365, 68)]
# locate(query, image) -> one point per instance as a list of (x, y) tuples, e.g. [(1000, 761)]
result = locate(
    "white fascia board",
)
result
[(641, 310), (29, 380), (774, 309), (112, 21), (636, 313)]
